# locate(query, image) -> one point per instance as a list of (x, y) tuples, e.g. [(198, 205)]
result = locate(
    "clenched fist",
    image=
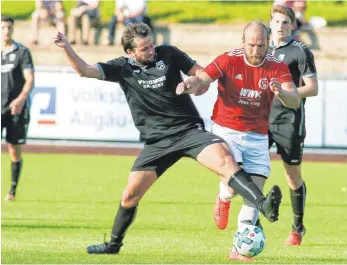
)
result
[(60, 40), (275, 86)]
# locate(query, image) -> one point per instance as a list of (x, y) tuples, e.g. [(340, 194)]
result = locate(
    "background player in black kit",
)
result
[(169, 124), (17, 80), (287, 126)]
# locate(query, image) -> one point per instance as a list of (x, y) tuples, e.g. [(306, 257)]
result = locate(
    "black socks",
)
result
[(123, 219), (298, 198), (15, 170), (243, 184)]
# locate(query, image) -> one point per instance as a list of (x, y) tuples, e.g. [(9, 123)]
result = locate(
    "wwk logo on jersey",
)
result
[(160, 65), (250, 97), (250, 93)]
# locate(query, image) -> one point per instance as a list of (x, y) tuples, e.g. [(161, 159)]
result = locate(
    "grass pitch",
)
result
[(66, 202)]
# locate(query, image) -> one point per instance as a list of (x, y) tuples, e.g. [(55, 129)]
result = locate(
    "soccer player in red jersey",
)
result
[(286, 127), (248, 79)]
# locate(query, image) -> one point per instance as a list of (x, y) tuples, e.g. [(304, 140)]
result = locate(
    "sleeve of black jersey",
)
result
[(112, 70), (306, 63), (26, 61), (184, 62)]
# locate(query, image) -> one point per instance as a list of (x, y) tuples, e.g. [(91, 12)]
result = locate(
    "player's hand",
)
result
[(275, 86), (187, 86), (16, 106), (181, 88), (60, 40)]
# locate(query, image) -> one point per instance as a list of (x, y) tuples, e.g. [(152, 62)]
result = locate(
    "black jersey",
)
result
[(151, 92), (13, 62), (301, 64)]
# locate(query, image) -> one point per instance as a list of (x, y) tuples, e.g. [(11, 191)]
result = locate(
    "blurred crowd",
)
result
[(84, 16)]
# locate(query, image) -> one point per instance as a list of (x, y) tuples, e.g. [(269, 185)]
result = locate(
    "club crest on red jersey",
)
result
[(263, 83)]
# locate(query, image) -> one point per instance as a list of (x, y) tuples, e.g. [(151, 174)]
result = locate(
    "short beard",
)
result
[(147, 62), (253, 60)]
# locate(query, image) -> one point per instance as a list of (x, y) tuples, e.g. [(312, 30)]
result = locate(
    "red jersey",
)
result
[(244, 96)]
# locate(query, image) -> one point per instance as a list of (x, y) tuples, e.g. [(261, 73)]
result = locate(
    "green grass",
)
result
[(199, 11), (66, 202)]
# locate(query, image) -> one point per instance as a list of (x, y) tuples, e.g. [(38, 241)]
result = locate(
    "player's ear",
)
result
[(294, 26), (130, 52)]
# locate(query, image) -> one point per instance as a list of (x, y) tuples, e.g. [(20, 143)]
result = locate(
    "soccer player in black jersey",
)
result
[(169, 124), (17, 80), (287, 126)]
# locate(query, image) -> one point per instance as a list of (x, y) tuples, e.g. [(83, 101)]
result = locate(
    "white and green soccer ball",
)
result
[(249, 240)]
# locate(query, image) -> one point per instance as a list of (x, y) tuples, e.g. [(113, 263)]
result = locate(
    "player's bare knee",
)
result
[(293, 175), (130, 197), (227, 166), (15, 152)]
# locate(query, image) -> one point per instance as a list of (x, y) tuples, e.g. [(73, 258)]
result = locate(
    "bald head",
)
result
[(256, 42), (256, 27)]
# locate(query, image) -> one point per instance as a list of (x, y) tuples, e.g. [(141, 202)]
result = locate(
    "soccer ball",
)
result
[(249, 240)]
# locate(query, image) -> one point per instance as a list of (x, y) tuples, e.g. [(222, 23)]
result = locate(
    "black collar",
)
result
[(12, 48), (290, 38)]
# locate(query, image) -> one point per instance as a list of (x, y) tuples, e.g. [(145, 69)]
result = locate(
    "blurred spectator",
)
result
[(300, 7), (17, 81), (283, 2), (83, 15), (127, 12), (302, 25), (47, 10)]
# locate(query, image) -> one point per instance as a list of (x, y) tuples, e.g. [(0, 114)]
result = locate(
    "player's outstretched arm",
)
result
[(195, 84), (77, 63), (287, 93)]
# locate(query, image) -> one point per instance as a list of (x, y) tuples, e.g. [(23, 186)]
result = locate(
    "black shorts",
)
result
[(161, 155), (16, 126), (289, 143)]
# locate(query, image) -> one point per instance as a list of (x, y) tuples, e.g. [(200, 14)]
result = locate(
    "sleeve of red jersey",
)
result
[(284, 74), (218, 67)]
